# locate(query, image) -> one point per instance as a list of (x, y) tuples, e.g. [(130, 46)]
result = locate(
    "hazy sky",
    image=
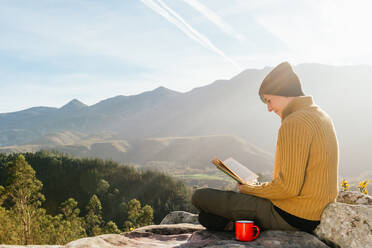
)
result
[(52, 51)]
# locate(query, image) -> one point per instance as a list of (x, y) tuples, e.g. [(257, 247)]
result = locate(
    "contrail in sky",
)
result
[(158, 9), (177, 20), (213, 17)]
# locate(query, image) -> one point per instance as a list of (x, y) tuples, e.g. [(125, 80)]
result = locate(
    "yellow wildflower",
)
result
[(345, 185), (363, 186), (131, 229)]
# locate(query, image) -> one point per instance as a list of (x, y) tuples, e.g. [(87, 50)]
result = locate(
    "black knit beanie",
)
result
[(281, 81)]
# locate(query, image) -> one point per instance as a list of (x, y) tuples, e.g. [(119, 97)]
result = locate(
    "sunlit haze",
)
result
[(54, 51)]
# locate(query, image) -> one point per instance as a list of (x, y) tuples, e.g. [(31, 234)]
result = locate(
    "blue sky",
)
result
[(52, 51)]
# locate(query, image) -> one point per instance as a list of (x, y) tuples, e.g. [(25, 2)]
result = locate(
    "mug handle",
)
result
[(258, 231)]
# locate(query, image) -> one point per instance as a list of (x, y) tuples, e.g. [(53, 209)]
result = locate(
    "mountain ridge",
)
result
[(224, 107)]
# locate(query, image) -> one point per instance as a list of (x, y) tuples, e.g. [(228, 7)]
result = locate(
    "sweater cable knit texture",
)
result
[(306, 162)]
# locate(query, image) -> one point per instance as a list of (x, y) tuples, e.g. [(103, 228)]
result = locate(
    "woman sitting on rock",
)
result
[(305, 166)]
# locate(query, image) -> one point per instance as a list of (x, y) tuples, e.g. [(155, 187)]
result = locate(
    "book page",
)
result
[(240, 170), (221, 166)]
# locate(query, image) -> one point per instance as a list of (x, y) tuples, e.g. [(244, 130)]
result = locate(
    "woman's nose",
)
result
[(269, 108)]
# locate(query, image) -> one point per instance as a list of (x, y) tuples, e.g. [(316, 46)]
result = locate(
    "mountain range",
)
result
[(225, 118)]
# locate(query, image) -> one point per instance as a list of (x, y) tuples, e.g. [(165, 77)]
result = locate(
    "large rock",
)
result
[(346, 225), (354, 198), (180, 217)]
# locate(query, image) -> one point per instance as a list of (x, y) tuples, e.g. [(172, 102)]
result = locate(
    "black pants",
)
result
[(218, 207)]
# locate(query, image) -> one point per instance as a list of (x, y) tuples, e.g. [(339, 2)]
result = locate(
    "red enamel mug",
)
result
[(244, 230)]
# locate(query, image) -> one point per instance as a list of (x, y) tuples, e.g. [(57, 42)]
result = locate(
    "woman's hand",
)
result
[(239, 185)]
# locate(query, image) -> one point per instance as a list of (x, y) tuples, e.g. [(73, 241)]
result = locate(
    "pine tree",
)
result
[(8, 229), (138, 216), (147, 216), (73, 225), (111, 227), (93, 218), (23, 191), (134, 211)]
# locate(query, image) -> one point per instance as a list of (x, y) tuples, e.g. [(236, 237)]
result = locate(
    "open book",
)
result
[(236, 170)]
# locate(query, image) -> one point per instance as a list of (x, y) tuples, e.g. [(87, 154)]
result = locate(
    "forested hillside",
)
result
[(186, 158), (115, 184)]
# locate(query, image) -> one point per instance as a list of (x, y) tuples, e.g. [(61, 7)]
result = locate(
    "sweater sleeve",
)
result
[(294, 141)]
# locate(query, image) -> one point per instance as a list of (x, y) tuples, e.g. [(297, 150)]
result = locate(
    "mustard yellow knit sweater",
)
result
[(306, 162)]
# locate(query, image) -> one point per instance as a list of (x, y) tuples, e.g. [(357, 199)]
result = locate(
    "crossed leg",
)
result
[(217, 208)]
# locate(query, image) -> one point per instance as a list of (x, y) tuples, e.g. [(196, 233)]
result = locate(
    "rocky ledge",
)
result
[(192, 236), (346, 223)]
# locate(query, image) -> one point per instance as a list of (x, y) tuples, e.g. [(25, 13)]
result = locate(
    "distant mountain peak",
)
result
[(161, 88), (74, 104), (164, 90)]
